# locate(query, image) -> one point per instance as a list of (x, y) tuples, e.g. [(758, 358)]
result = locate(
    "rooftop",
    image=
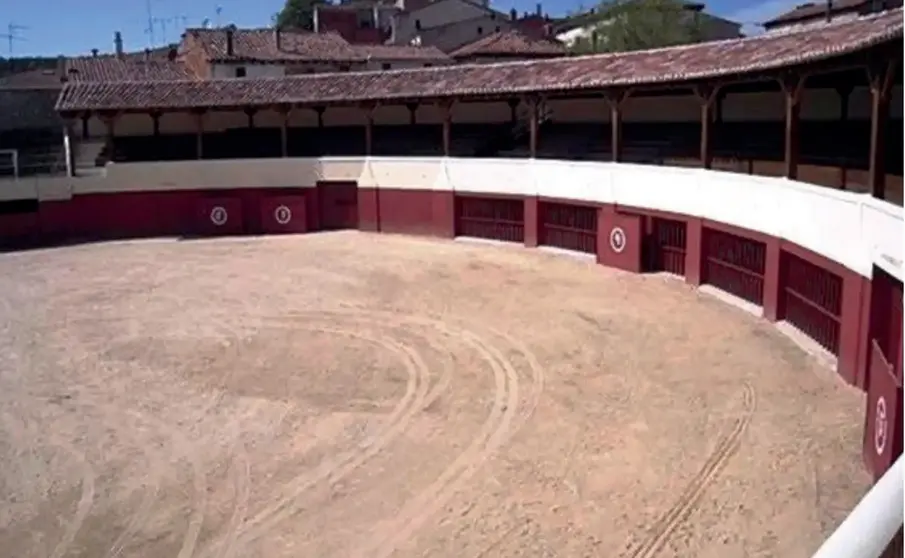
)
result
[(510, 43), (595, 72)]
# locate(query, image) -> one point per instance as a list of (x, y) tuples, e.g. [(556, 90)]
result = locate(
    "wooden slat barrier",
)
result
[(811, 300), (734, 264), (569, 227), (490, 218)]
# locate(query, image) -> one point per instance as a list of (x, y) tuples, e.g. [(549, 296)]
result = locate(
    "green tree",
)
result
[(625, 25), (297, 14)]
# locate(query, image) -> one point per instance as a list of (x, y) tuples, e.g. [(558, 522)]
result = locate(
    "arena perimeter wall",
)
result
[(827, 261)]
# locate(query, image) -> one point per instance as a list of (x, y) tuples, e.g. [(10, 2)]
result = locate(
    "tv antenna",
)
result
[(150, 28), (218, 10), (12, 35)]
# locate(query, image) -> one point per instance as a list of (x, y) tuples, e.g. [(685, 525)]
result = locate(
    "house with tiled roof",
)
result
[(811, 13), (231, 53), (451, 24), (509, 45)]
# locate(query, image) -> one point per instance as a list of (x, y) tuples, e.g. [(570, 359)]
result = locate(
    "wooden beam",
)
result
[(880, 74), (199, 132), (446, 109), (285, 111), (369, 128), (616, 98), (792, 86), (533, 126), (250, 115), (707, 95)]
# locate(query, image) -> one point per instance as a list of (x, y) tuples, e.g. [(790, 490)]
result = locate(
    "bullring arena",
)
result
[(312, 356)]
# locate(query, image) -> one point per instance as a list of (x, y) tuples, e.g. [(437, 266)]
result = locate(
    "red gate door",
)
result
[(338, 203), (883, 419), (283, 214)]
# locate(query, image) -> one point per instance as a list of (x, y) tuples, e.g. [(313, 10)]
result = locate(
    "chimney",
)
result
[(147, 55), (513, 15), (172, 53), (829, 10), (94, 52), (61, 68), (118, 44), (277, 38), (539, 10), (230, 50)]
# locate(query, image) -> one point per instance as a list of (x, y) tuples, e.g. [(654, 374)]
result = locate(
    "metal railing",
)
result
[(875, 521)]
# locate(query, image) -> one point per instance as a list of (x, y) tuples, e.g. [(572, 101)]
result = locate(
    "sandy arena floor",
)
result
[(352, 395)]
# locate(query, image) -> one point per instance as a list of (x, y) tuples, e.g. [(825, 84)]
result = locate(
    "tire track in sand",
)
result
[(492, 435), (286, 503), (726, 447)]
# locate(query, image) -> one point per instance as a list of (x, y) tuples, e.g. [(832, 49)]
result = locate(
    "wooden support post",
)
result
[(706, 94), (615, 98), (369, 129), (250, 115), (513, 110), (446, 109), (285, 111), (880, 74), (155, 123), (199, 132), (86, 117), (792, 87), (109, 119), (845, 94), (69, 120), (533, 131), (413, 110)]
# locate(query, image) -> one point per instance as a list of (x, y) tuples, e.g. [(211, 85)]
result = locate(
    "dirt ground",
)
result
[(353, 395)]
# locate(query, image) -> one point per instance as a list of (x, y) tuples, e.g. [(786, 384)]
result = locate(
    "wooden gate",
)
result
[(571, 227), (811, 300), (883, 419), (337, 205), (666, 246), (492, 218), (734, 264)]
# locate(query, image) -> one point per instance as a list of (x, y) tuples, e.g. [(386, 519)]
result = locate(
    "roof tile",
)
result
[(510, 43), (260, 45), (128, 67), (697, 61), (401, 52)]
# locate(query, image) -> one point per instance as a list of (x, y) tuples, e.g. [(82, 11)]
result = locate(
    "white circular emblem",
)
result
[(880, 426), (282, 214), (617, 240), (219, 216)]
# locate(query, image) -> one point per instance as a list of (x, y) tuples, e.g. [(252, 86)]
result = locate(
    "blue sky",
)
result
[(52, 27)]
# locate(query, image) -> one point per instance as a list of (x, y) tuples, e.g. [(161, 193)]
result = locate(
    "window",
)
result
[(344, 68), (418, 24), (497, 29), (240, 71), (428, 65), (480, 30), (386, 66)]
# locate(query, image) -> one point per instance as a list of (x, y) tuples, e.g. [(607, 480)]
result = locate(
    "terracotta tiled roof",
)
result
[(510, 43), (697, 61), (130, 67), (812, 9), (260, 45), (401, 52), (28, 109), (32, 79)]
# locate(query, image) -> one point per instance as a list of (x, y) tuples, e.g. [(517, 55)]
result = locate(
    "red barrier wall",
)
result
[(858, 319)]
